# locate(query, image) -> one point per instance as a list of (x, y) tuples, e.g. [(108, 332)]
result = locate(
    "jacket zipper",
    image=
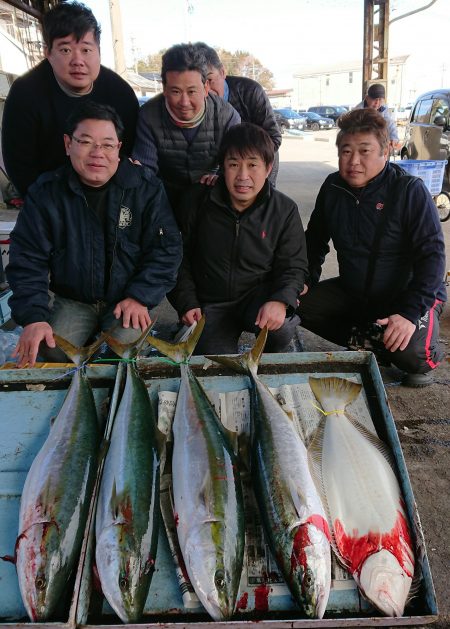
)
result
[(115, 242), (234, 256)]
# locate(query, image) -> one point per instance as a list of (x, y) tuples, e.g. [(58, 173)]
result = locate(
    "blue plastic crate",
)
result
[(430, 171)]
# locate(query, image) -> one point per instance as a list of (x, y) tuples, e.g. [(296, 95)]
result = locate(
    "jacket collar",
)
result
[(221, 196), (126, 176), (371, 185)]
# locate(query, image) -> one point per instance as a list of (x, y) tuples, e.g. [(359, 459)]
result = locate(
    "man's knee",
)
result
[(279, 340)]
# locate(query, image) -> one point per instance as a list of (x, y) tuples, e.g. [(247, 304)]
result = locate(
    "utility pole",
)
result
[(117, 37)]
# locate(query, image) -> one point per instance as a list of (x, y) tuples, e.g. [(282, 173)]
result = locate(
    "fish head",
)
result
[(311, 569), (215, 581), (40, 569), (385, 583), (125, 573)]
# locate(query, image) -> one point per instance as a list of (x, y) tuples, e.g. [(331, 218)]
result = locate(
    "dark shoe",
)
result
[(418, 380)]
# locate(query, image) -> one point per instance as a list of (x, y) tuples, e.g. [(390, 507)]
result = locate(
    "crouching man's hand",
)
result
[(271, 314), (195, 314), (398, 332), (27, 348), (133, 314)]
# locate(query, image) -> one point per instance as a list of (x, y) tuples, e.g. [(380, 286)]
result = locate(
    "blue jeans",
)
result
[(78, 323)]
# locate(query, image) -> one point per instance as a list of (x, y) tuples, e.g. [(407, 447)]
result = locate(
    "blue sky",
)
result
[(283, 35)]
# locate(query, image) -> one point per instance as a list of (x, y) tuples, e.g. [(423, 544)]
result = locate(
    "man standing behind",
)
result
[(244, 258), (179, 131), (390, 249), (374, 99), (100, 234), (247, 97), (39, 102)]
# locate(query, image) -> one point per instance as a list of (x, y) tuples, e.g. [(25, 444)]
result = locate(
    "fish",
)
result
[(127, 516), (292, 514), (207, 492), (56, 496), (364, 504)]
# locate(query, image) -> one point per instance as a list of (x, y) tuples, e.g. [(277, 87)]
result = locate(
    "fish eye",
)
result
[(40, 582), (123, 583), (219, 579)]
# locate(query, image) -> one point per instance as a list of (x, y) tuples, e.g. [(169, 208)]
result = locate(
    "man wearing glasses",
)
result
[(100, 234)]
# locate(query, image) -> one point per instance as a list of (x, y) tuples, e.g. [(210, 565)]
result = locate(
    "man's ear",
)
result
[(206, 86), (269, 169), (67, 142)]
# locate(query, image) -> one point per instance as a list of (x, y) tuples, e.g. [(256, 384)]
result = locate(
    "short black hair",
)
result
[(365, 120), (89, 110), (246, 138), (67, 18), (182, 58), (211, 56)]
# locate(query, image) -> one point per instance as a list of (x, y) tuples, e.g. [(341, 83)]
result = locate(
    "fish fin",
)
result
[(334, 394), (127, 350), (9, 558), (78, 355), (120, 504), (206, 491), (374, 440), (298, 498), (248, 362), (179, 352)]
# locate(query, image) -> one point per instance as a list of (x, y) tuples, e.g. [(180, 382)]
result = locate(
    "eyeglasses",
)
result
[(89, 145)]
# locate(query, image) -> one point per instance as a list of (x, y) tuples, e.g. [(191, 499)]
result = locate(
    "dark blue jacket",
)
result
[(59, 243), (409, 270)]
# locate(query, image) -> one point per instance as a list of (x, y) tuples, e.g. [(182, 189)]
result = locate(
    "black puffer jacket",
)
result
[(227, 253), (57, 233), (251, 102), (409, 270)]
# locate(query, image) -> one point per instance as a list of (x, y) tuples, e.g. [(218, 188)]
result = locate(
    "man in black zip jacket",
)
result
[(244, 251), (390, 249), (100, 234)]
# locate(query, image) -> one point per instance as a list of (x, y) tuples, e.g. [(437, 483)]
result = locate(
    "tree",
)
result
[(243, 63), (151, 63)]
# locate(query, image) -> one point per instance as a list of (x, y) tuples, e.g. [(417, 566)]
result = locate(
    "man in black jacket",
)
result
[(244, 250), (100, 234), (247, 97), (390, 249), (39, 102)]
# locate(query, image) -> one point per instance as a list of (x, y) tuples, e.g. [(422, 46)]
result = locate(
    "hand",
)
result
[(398, 332), (195, 314), (209, 179), (271, 314), (28, 346), (305, 290), (132, 312)]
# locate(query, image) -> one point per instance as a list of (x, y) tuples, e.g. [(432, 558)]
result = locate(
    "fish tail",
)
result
[(179, 352), (78, 355), (334, 394), (248, 362), (127, 350)]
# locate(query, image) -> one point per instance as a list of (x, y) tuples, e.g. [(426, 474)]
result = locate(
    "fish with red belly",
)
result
[(363, 500)]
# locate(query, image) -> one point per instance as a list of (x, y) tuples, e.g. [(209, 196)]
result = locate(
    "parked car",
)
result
[(295, 121), (330, 111), (427, 133), (316, 121)]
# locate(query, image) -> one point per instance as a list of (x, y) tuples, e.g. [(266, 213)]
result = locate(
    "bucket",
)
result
[(5, 230)]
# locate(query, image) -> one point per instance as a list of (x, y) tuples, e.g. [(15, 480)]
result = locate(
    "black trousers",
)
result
[(226, 321), (330, 312)]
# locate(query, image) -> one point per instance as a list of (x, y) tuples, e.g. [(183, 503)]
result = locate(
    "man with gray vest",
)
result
[(179, 131)]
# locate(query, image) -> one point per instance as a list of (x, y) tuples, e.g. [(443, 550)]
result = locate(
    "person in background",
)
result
[(375, 99), (99, 232), (39, 102), (244, 258), (179, 131), (390, 250), (247, 97)]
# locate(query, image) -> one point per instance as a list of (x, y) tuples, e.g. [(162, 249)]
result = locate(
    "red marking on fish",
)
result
[(220, 478), (242, 602), (298, 555), (320, 523), (176, 517), (262, 598), (355, 549)]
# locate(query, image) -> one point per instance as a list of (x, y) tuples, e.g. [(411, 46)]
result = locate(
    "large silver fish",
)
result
[(127, 518), (56, 496), (209, 511), (291, 511), (363, 498)]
